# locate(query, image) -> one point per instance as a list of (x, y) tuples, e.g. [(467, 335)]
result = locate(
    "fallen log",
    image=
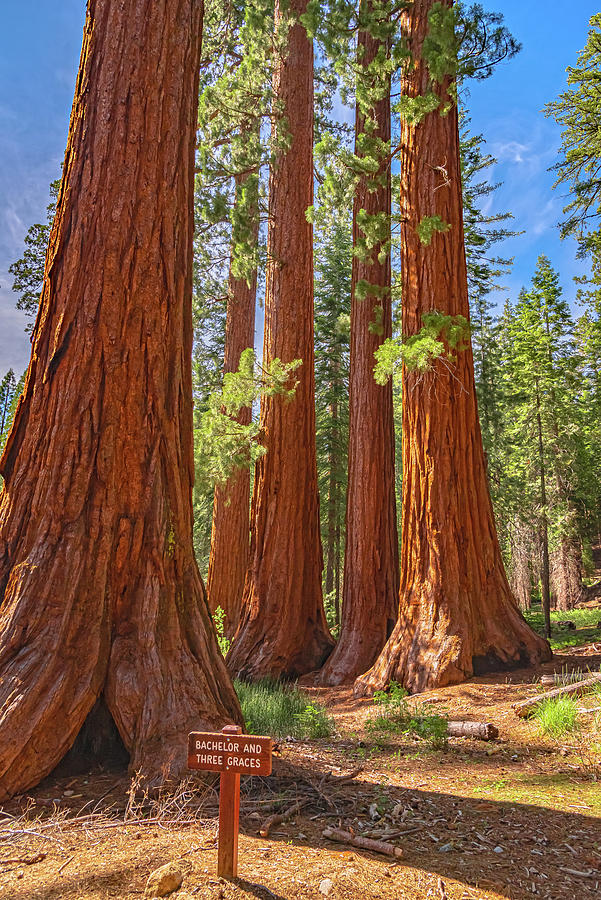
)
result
[(483, 731), (524, 707), (345, 837)]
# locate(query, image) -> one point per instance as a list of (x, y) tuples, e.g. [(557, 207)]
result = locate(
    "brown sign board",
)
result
[(242, 754)]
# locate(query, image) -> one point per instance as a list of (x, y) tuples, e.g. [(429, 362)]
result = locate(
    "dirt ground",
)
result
[(519, 817)]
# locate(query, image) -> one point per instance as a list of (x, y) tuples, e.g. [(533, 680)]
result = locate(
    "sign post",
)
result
[(231, 753)]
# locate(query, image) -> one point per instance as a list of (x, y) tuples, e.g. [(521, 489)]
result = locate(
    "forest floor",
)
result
[(518, 817)]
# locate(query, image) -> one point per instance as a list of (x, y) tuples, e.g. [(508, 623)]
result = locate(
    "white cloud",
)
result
[(511, 151)]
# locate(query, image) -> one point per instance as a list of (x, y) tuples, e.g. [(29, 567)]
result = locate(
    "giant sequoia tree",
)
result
[(371, 561), (230, 534), (283, 630), (457, 615), (100, 592)]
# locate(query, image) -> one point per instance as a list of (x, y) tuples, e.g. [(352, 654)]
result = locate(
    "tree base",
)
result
[(352, 655), (423, 656), (257, 654)]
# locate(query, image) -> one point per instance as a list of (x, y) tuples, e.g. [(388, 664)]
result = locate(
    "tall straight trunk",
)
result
[(565, 570), (332, 500), (520, 577), (544, 524), (371, 559), (230, 531), (337, 569), (566, 573), (457, 616), (100, 592), (283, 630)]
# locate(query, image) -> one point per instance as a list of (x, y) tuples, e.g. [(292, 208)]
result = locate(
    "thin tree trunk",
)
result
[(520, 578), (544, 524), (371, 560), (99, 587), (283, 630), (338, 559), (332, 499), (566, 573), (457, 616), (230, 531)]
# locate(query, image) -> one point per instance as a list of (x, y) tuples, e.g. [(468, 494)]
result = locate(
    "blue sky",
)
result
[(40, 41)]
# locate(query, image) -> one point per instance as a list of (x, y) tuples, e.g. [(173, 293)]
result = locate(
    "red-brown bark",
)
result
[(230, 530), (100, 592), (371, 560), (457, 616), (283, 631)]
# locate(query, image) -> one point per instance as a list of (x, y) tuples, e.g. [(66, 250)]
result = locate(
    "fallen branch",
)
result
[(345, 837), (278, 818), (65, 864), (25, 860), (483, 731), (341, 779), (524, 707)]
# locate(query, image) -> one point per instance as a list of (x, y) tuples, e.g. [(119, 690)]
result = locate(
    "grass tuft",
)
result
[(557, 716), (282, 710)]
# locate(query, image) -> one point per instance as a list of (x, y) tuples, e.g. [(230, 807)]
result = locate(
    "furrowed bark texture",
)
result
[(99, 588), (230, 530), (283, 631), (371, 560), (457, 616)]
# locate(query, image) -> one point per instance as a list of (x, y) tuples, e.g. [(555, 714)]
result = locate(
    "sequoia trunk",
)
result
[(457, 616), (371, 560), (283, 630), (100, 590), (230, 533)]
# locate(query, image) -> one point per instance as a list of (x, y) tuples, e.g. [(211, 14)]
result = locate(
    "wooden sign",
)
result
[(231, 753)]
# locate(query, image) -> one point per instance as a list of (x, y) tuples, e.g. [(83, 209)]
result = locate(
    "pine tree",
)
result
[(542, 414), (333, 265), (28, 271), (7, 392), (577, 111)]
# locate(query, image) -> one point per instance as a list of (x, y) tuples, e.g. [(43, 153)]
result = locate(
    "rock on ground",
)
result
[(164, 881)]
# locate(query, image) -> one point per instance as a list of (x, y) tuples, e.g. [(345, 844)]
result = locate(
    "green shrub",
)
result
[(219, 623), (282, 710), (314, 722), (398, 717), (557, 716)]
